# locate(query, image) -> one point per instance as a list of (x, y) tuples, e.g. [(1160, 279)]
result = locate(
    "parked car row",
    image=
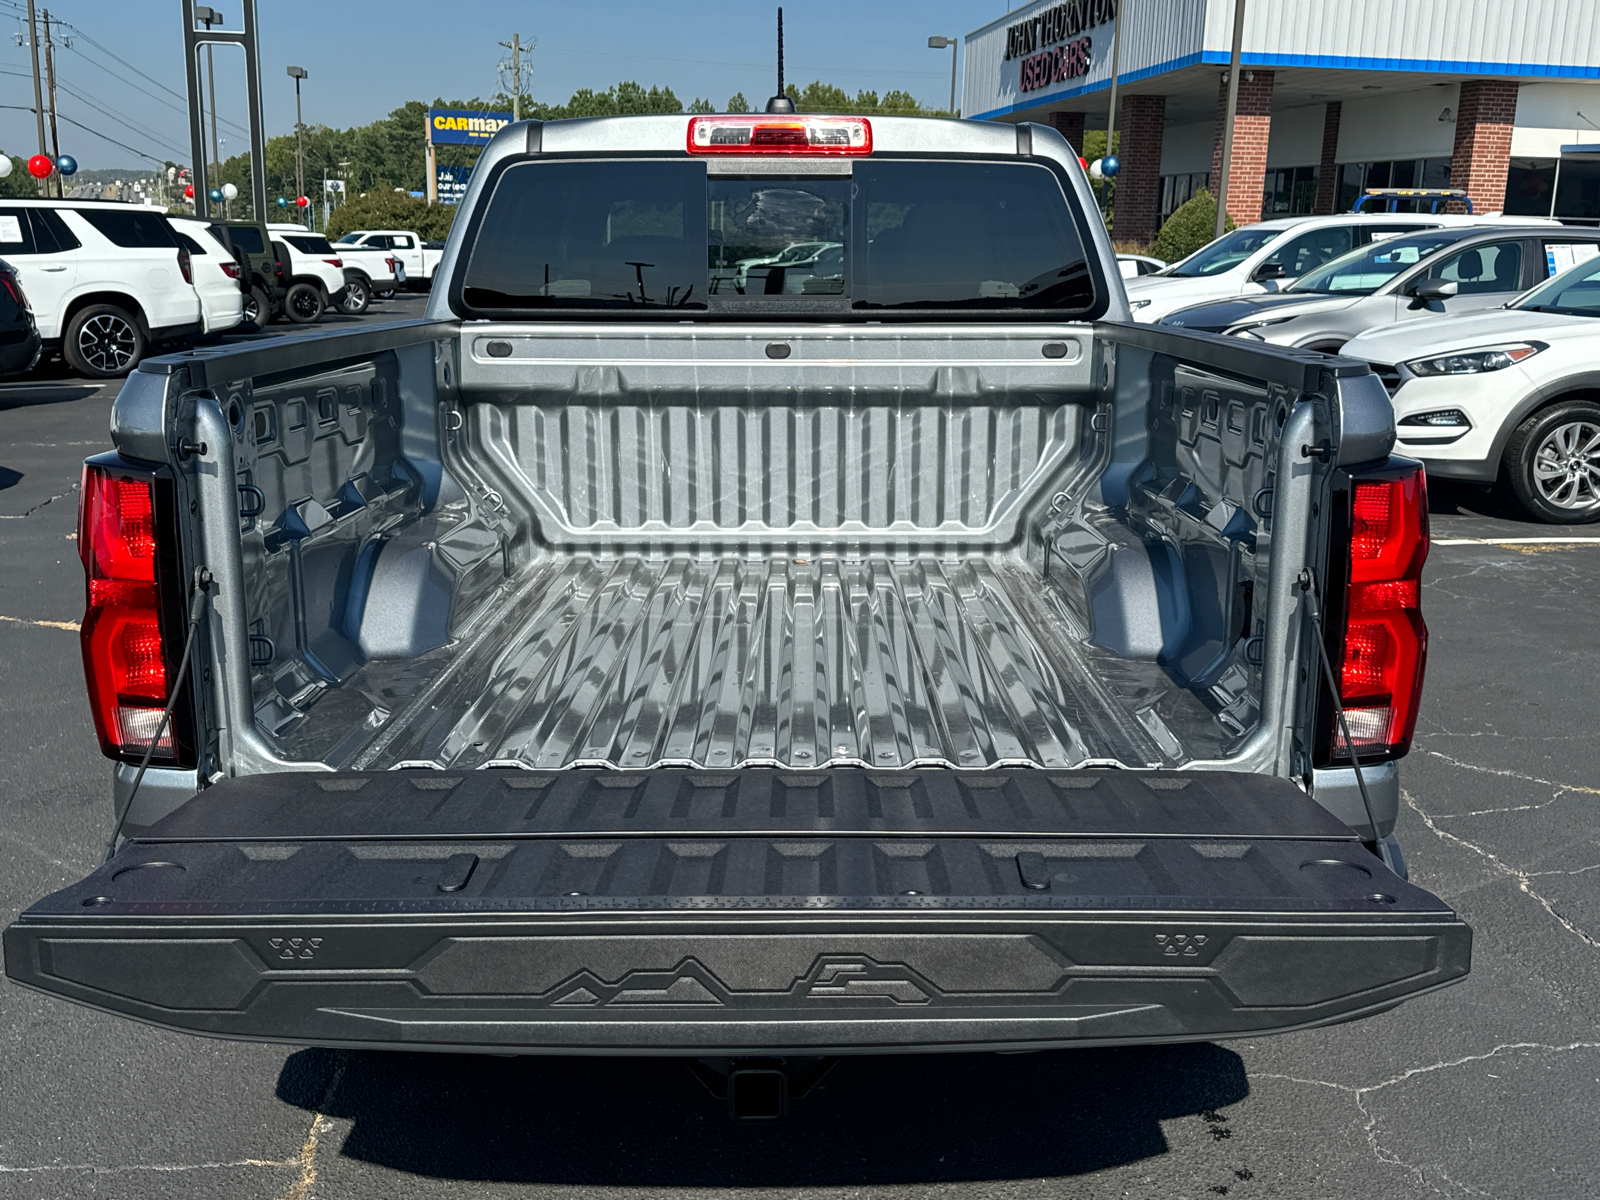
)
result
[(1485, 331), (104, 283)]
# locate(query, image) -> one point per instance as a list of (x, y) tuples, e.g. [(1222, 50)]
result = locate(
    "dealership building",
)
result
[(1498, 97)]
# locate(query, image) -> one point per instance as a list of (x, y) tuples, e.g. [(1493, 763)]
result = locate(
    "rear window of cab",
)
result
[(878, 236)]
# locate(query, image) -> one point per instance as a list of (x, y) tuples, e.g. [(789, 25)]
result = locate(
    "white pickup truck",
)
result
[(931, 660), (419, 258)]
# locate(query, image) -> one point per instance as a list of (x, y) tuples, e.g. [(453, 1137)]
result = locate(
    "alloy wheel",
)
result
[(1566, 466), (108, 343)]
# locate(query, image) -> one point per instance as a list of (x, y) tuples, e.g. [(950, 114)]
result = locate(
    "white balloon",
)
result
[(229, 192), (5, 165), (1095, 171)]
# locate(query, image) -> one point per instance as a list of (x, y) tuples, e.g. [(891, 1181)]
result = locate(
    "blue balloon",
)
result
[(67, 165), (1109, 165), (282, 203), (216, 195)]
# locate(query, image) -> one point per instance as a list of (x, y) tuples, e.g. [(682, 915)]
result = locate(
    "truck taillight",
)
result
[(393, 263), (185, 265), (124, 651), (231, 270), (769, 134), (1376, 632), (334, 262)]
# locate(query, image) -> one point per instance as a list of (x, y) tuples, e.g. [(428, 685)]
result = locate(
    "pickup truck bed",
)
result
[(634, 663)]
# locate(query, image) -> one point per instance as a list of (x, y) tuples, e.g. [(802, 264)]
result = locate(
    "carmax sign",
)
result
[(464, 127)]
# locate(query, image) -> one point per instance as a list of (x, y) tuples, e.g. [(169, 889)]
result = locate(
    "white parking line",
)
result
[(69, 625), (1527, 541)]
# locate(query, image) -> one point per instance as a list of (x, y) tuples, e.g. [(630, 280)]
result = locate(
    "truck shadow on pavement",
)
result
[(28, 395), (648, 1122)]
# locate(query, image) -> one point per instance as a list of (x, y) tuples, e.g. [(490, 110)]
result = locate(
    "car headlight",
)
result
[(1136, 305), (1475, 362)]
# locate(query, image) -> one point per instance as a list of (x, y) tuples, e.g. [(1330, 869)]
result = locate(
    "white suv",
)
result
[(105, 280), (1508, 395), (215, 272), (1263, 257), (314, 262)]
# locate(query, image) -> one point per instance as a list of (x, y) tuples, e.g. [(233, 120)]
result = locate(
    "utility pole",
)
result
[(517, 51), (1232, 112), (50, 82), (297, 74), (38, 93)]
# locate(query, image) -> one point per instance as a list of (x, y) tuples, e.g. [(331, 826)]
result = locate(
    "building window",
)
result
[(1290, 191), (1177, 189), (1356, 178)]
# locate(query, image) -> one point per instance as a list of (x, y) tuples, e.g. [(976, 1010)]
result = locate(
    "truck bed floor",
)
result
[(632, 662)]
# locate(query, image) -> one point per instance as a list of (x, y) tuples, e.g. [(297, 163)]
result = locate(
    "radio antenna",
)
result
[(781, 102)]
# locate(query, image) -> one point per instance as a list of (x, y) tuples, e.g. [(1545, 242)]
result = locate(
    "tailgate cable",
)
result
[(1308, 584), (202, 582)]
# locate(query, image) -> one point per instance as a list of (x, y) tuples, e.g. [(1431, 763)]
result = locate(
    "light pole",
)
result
[(297, 74), (940, 43), (209, 17)]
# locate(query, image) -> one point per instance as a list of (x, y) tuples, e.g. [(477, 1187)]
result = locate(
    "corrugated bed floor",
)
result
[(631, 662)]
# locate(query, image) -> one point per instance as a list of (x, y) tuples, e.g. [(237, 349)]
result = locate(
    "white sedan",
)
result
[(1504, 396)]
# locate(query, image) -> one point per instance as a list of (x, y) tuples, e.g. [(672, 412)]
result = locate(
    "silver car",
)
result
[(1430, 273)]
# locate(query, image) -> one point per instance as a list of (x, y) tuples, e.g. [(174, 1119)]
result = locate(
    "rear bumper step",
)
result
[(708, 941)]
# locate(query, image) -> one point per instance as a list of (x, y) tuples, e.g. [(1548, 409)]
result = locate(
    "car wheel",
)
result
[(1552, 464), (386, 294), (355, 297), (303, 303), (257, 311), (103, 341)]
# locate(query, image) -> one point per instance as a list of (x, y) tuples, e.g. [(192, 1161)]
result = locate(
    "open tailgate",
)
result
[(753, 911)]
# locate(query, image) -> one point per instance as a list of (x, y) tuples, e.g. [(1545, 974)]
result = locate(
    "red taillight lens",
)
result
[(186, 266), (334, 262), (231, 270), (1385, 641), (14, 290), (765, 134), (124, 656), (394, 263)]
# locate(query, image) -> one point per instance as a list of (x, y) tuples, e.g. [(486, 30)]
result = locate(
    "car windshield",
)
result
[(1575, 292), (668, 234), (1225, 253), (349, 239), (1366, 269)]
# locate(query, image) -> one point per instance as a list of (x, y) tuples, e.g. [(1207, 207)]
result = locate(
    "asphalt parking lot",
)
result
[(1491, 1088)]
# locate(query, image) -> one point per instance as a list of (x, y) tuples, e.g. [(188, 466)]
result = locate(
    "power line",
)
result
[(154, 137), (87, 129)]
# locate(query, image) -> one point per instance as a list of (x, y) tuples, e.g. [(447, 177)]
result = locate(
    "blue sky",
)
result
[(367, 56)]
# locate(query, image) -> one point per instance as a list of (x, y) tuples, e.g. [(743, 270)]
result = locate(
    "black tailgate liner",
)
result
[(741, 912)]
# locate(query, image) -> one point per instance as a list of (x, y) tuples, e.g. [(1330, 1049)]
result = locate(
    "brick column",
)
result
[(1482, 157), (1328, 173), (1138, 203), (1070, 126), (1252, 127)]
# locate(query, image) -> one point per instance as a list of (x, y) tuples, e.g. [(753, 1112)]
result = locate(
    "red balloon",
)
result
[(302, 201), (1083, 162), (188, 192), (40, 166)]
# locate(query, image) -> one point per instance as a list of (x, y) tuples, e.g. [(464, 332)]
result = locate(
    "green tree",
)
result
[(702, 106), (392, 210), (828, 98), (1192, 226), (19, 185), (738, 104)]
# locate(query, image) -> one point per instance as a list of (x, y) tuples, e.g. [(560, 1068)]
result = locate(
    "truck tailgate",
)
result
[(704, 912)]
